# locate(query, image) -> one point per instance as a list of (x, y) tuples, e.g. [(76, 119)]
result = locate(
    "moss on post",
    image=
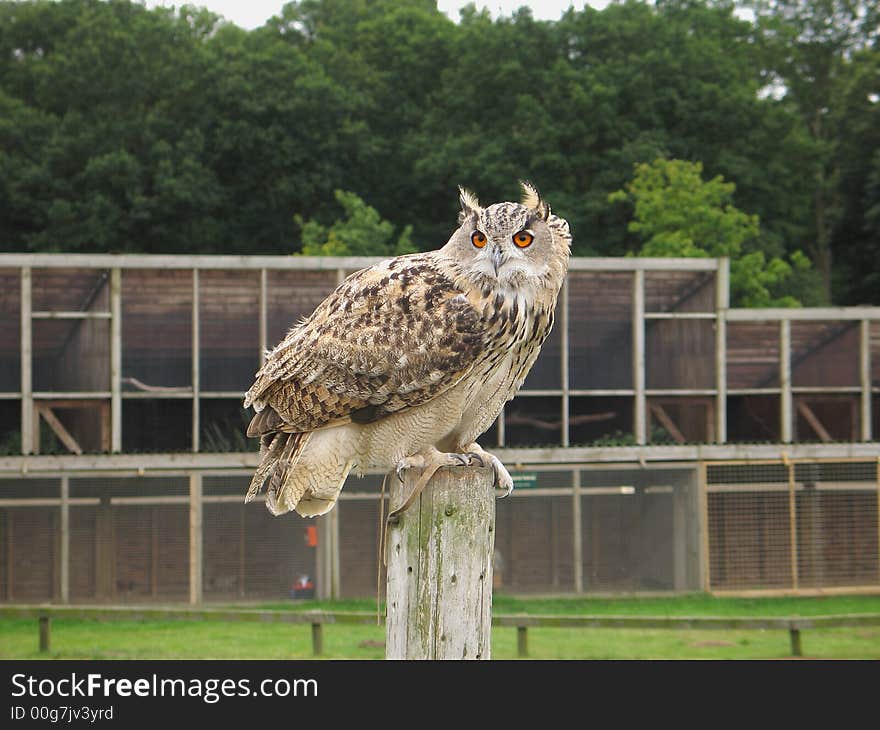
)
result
[(439, 567)]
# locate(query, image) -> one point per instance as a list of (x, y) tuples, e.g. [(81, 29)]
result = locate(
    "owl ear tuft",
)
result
[(531, 198), (469, 204)]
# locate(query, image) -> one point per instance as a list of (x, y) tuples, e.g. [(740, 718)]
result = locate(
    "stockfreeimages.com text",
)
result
[(209, 690)]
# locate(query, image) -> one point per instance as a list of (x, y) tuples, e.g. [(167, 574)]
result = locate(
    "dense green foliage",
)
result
[(361, 232), (677, 213), (127, 129)]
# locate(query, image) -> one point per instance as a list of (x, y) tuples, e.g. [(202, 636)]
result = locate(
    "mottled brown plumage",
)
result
[(364, 351), (414, 354)]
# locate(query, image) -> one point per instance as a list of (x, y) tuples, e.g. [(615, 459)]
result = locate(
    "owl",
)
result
[(409, 361)]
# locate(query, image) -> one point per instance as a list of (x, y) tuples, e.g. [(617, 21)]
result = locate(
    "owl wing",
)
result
[(389, 338)]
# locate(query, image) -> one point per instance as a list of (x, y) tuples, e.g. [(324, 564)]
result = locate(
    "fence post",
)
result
[(522, 641), (45, 633), (439, 576), (795, 634), (317, 639)]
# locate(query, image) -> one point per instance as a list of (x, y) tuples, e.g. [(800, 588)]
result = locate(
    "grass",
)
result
[(697, 604), (82, 639)]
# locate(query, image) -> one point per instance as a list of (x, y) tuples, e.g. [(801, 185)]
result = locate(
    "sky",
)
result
[(251, 14)]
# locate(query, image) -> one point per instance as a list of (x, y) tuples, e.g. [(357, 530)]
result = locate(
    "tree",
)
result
[(856, 236), (807, 45), (677, 213), (387, 56), (360, 232), (106, 151), (128, 129)]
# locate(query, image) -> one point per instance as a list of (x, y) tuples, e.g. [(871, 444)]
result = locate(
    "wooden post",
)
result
[(45, 633), (65, 539), (577, 531), (115, 360), (563, 361), (722, 302), (786, 421), (522, 641), (703, 528), (29, 421), (795, 634), (264, 314), (196, 357), (439, 557), (105, 550), (792, 522), (195, 538), (640, 418), (865, 379), (317, 639)]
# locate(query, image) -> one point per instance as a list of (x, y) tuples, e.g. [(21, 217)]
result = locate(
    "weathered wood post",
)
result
[(795, 635), (522, 641), (45, 633), (439, 567), (317, 639)]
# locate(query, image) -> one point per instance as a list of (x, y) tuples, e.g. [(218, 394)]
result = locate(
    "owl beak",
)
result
[(497, 259)]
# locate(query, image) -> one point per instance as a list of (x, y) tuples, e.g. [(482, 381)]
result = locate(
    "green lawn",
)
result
[(697, 604), (84, 639)]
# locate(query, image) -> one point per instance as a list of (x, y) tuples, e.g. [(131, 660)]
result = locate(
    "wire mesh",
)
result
[(546, 372), (825, 418), (71, 355), (795, 526), (129, 539), (679, 420), (874, 349), (679, 353), (247, 554), (292, 295), (10, 427), (10, 330), (836, 511), (825, 353), (600, 329), (752, 355), (154, 424), (600, 420), (753, 418), (223, 423), (29, 540), (358, 547), (805, 525), (679, 291), (533, 420), (875, 416), (638, 529), (156, 330), (749, 529), (533, 545), (229, 329), (749, 540)]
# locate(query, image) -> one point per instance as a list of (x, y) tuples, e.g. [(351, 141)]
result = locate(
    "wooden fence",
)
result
[(522, 623)]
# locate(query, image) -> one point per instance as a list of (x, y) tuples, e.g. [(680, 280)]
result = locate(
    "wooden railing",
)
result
[(522, 623)]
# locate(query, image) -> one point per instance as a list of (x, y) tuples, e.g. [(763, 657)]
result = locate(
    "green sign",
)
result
[(525, 480)]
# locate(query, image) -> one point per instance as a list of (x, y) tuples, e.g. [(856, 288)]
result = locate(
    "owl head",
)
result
[(510, 244)]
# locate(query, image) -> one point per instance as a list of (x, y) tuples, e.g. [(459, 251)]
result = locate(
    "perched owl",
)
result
[(408, 361)]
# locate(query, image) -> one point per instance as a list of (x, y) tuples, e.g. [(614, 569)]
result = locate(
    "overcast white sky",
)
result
[(253, 13)]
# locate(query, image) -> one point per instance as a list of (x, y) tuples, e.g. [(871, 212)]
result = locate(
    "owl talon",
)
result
[(503, 481)]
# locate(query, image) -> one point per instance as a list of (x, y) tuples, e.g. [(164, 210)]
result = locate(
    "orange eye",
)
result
[(523, 239), (478, 239)]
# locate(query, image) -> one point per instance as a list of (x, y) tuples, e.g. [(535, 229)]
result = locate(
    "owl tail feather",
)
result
[(311, 505), (278, 458)]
